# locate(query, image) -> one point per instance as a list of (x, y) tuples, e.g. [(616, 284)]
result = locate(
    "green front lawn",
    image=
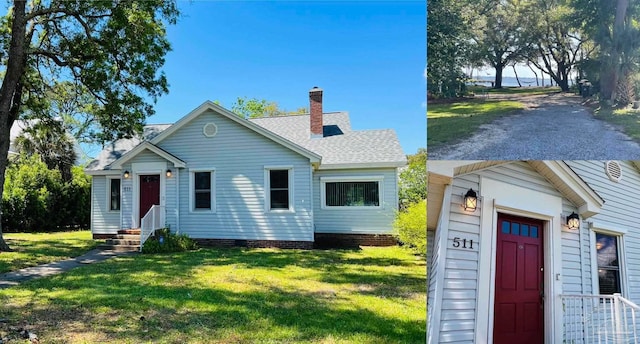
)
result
[(447, 123), (373, 295), (31, 249)]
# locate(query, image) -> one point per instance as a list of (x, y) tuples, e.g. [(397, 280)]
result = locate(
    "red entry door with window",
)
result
[(519, 301), (149, 192)]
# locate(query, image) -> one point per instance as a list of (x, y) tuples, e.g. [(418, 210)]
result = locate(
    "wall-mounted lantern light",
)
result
[(573, 221), (470, 200), (169, 173), (126, 175)]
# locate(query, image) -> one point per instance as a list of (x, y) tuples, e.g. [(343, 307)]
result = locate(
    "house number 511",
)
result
[(462, 243)]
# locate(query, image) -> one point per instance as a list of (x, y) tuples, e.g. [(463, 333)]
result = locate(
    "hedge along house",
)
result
[(288, 181), (539, 252)]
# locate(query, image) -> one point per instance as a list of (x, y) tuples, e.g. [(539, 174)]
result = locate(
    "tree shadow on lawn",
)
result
[(181, 313)]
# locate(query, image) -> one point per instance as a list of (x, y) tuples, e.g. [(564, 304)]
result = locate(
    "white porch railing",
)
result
[(600, 319), (151, 221)]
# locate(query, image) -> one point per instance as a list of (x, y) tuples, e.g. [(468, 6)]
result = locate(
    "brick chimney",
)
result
[(315, 110)]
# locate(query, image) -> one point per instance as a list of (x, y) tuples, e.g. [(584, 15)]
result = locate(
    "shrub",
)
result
[(36, 198), (411, 226), (164, 242), (413, 180)]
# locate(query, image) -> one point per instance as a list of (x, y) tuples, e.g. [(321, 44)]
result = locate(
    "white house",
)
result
[(283, 181), (542, 252)]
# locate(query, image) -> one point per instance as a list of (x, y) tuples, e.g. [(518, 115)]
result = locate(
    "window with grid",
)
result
[(352, 194), (607, 254), (114, 194)]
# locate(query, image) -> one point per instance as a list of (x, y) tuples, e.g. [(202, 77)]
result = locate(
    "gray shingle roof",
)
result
[(340, 147), (366, 147), (115, 150)]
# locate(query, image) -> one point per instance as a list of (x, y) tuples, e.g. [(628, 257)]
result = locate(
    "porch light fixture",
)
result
[(470, 200), (126, 175), (169, 173), (573, 221)]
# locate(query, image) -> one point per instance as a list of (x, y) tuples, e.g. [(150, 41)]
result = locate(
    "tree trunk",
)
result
[(498, 83), (516, 73), (11, 92)]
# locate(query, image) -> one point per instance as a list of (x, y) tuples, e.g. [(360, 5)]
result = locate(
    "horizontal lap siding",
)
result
[(362, 221), (619, 213), (103, 221), (239, 156)]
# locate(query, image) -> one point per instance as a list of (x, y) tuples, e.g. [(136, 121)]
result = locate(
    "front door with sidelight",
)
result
[(519, 298)]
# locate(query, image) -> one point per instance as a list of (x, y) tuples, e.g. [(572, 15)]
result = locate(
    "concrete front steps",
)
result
[(127, 240)]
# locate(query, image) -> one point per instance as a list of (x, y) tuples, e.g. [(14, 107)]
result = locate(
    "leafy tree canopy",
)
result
[(256, 108)]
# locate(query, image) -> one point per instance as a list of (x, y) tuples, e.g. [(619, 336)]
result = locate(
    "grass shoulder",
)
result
[(450, 122), (31, 249), (238, 295), (627, 119)]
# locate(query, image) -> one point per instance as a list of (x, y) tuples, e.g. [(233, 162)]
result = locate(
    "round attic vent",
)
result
[(209, 130), (613, 169)]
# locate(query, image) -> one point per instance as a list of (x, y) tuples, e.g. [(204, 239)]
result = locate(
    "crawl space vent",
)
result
[(614, 171), (209, 130)]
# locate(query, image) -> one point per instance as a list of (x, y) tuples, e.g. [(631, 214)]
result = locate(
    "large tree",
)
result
[(113, 49)]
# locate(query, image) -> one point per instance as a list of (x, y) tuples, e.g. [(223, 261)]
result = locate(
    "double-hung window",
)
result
[(608, 260), (114, 194), (279, 188), (203, 190), (342, 192)]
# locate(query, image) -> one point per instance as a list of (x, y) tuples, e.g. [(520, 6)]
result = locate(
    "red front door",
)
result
[(149, 192), (519, 314)]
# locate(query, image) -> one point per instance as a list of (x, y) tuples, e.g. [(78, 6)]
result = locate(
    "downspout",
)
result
[(311, 197), (177, 209)]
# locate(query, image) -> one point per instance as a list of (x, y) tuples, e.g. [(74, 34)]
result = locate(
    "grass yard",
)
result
[(239, 295), (626, 119), (447, 123), (31, 249)]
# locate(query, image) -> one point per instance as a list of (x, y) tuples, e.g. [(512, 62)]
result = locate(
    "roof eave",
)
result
[(390, 164)]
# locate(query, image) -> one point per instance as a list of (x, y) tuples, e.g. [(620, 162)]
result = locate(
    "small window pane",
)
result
[(515, 228), (279, 199), (506, 227), (279, 179), (524, 230), (352, 194), (203, 200), (534, 231), (203, 180), (114, 198), (609, 281)]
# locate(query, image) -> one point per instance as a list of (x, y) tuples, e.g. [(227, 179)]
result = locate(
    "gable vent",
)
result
[(613, 169), (210, 130)]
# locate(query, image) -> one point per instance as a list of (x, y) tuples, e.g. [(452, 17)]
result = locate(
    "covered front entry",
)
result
[(149, 193), (519, 289)]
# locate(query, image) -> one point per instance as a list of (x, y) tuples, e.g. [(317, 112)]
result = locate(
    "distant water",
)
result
[(511, 81)]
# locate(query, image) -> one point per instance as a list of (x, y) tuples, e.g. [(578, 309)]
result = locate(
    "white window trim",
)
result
[(595, 281), (267, 190), (192, 201), (108, 188), (323, 191)]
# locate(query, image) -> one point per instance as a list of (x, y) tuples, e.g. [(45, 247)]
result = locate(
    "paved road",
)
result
[(14, 278), (553, 126)]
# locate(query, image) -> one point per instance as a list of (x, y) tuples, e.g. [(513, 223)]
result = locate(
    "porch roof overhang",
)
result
[(559, 174), (146, 145)]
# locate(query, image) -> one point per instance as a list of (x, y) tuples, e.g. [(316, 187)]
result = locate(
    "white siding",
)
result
[(619, 214), (239, 157), (103, 221), (363, 221)]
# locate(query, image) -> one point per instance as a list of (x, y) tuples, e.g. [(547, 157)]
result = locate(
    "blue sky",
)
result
[(367, 56)]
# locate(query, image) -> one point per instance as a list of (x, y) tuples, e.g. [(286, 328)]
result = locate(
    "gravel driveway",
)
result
[(552, 126)]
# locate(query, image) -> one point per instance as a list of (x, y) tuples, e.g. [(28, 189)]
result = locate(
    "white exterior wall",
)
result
[(239, 157), (618, 216), (360, 221), (103, 221), (459, 307)]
